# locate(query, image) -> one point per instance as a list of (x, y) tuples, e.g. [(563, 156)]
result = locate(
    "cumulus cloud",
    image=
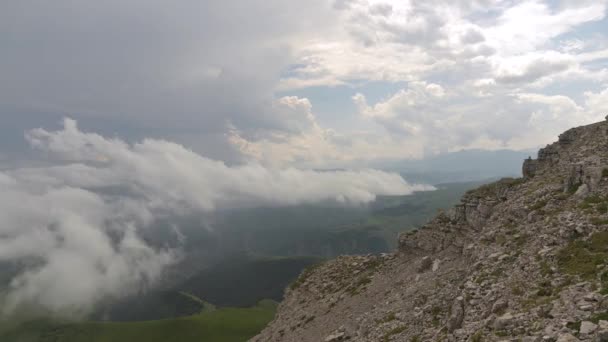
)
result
[(440, 120), (76, 227)]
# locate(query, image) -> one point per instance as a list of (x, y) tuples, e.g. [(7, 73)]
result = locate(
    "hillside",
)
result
[(517, 260)]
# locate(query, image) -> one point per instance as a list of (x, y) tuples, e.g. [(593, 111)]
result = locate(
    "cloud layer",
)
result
[(75, 227), (237, 80)]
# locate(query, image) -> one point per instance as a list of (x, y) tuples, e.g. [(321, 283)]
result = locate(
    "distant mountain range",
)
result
[(462, 166)]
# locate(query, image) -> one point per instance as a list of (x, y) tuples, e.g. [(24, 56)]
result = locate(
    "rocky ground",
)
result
[(518, 260)]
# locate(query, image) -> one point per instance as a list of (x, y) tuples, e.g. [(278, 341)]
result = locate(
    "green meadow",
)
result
[(221, 325)]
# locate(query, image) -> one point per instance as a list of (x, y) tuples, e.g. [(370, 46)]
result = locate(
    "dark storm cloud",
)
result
[(185, 67)]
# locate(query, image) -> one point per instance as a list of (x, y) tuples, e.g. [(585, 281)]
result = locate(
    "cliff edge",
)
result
[(517, 260)]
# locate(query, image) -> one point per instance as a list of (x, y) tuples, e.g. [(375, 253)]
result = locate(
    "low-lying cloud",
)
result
[(74, 228)]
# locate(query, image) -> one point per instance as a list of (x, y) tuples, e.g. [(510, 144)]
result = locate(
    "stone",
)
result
[(425, 264), (456, 314), (529, 167), (503, 321), (499, 306), (567, 338), (338, 336), (436, 263), (586, 307), (587, 328), (602, 335)]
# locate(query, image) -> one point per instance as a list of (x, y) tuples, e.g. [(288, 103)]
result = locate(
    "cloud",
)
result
[(214, 77), (76, 226), (180, 71), (437, 119), (528, 69)]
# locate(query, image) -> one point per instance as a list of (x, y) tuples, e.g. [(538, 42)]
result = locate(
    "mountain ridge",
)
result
[(517, 260)]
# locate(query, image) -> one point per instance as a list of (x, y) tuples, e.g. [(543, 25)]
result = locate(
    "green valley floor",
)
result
[(221, 325)]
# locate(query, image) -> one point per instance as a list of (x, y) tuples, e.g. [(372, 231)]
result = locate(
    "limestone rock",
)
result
[(456, 314), (495, 261), (587, 328), (567, 338)]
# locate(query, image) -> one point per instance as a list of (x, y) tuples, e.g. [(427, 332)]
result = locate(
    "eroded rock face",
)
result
[(500, 266), (529, 168)]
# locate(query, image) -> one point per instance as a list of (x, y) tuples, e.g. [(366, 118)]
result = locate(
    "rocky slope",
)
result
[(518, 260)]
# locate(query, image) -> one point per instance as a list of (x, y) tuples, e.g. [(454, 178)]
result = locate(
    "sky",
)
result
[(321, 83), (118, 113)]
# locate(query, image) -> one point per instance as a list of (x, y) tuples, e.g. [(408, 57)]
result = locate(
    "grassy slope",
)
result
[(222, 325)]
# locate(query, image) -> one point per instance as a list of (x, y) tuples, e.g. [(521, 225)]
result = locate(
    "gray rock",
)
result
[(456, 314), (499, 306), (425, 264), (567, 338), (338, 336), (587, 328), (503, 321), (602, 335)]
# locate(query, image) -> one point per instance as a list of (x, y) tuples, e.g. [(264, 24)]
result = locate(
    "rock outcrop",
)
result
[(517, 260)]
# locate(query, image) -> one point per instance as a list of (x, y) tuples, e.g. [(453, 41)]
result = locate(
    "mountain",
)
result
[(521, 259), (461, 166)]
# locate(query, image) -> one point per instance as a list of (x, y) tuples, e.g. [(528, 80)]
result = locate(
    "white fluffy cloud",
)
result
[(76, 226), (478, 74), (460, 119)]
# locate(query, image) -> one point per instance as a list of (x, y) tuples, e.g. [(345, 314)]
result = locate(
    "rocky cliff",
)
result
[(518, 260)]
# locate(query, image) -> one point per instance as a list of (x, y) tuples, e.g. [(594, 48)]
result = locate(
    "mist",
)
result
[(74, 227)]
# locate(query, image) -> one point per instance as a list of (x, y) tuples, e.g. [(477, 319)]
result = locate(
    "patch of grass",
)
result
[(598, 221), (534, 302), (573, 188), (593, 199), (395, 331), (517, 290), (582, 257), (602, 208), (477, 337), (355, 288), (605, 173), (576, 326), (603, 316), (501, 333), (500, 239), (598, 242), (538, 205), (545, 269), (604, 282), (388, 318)]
